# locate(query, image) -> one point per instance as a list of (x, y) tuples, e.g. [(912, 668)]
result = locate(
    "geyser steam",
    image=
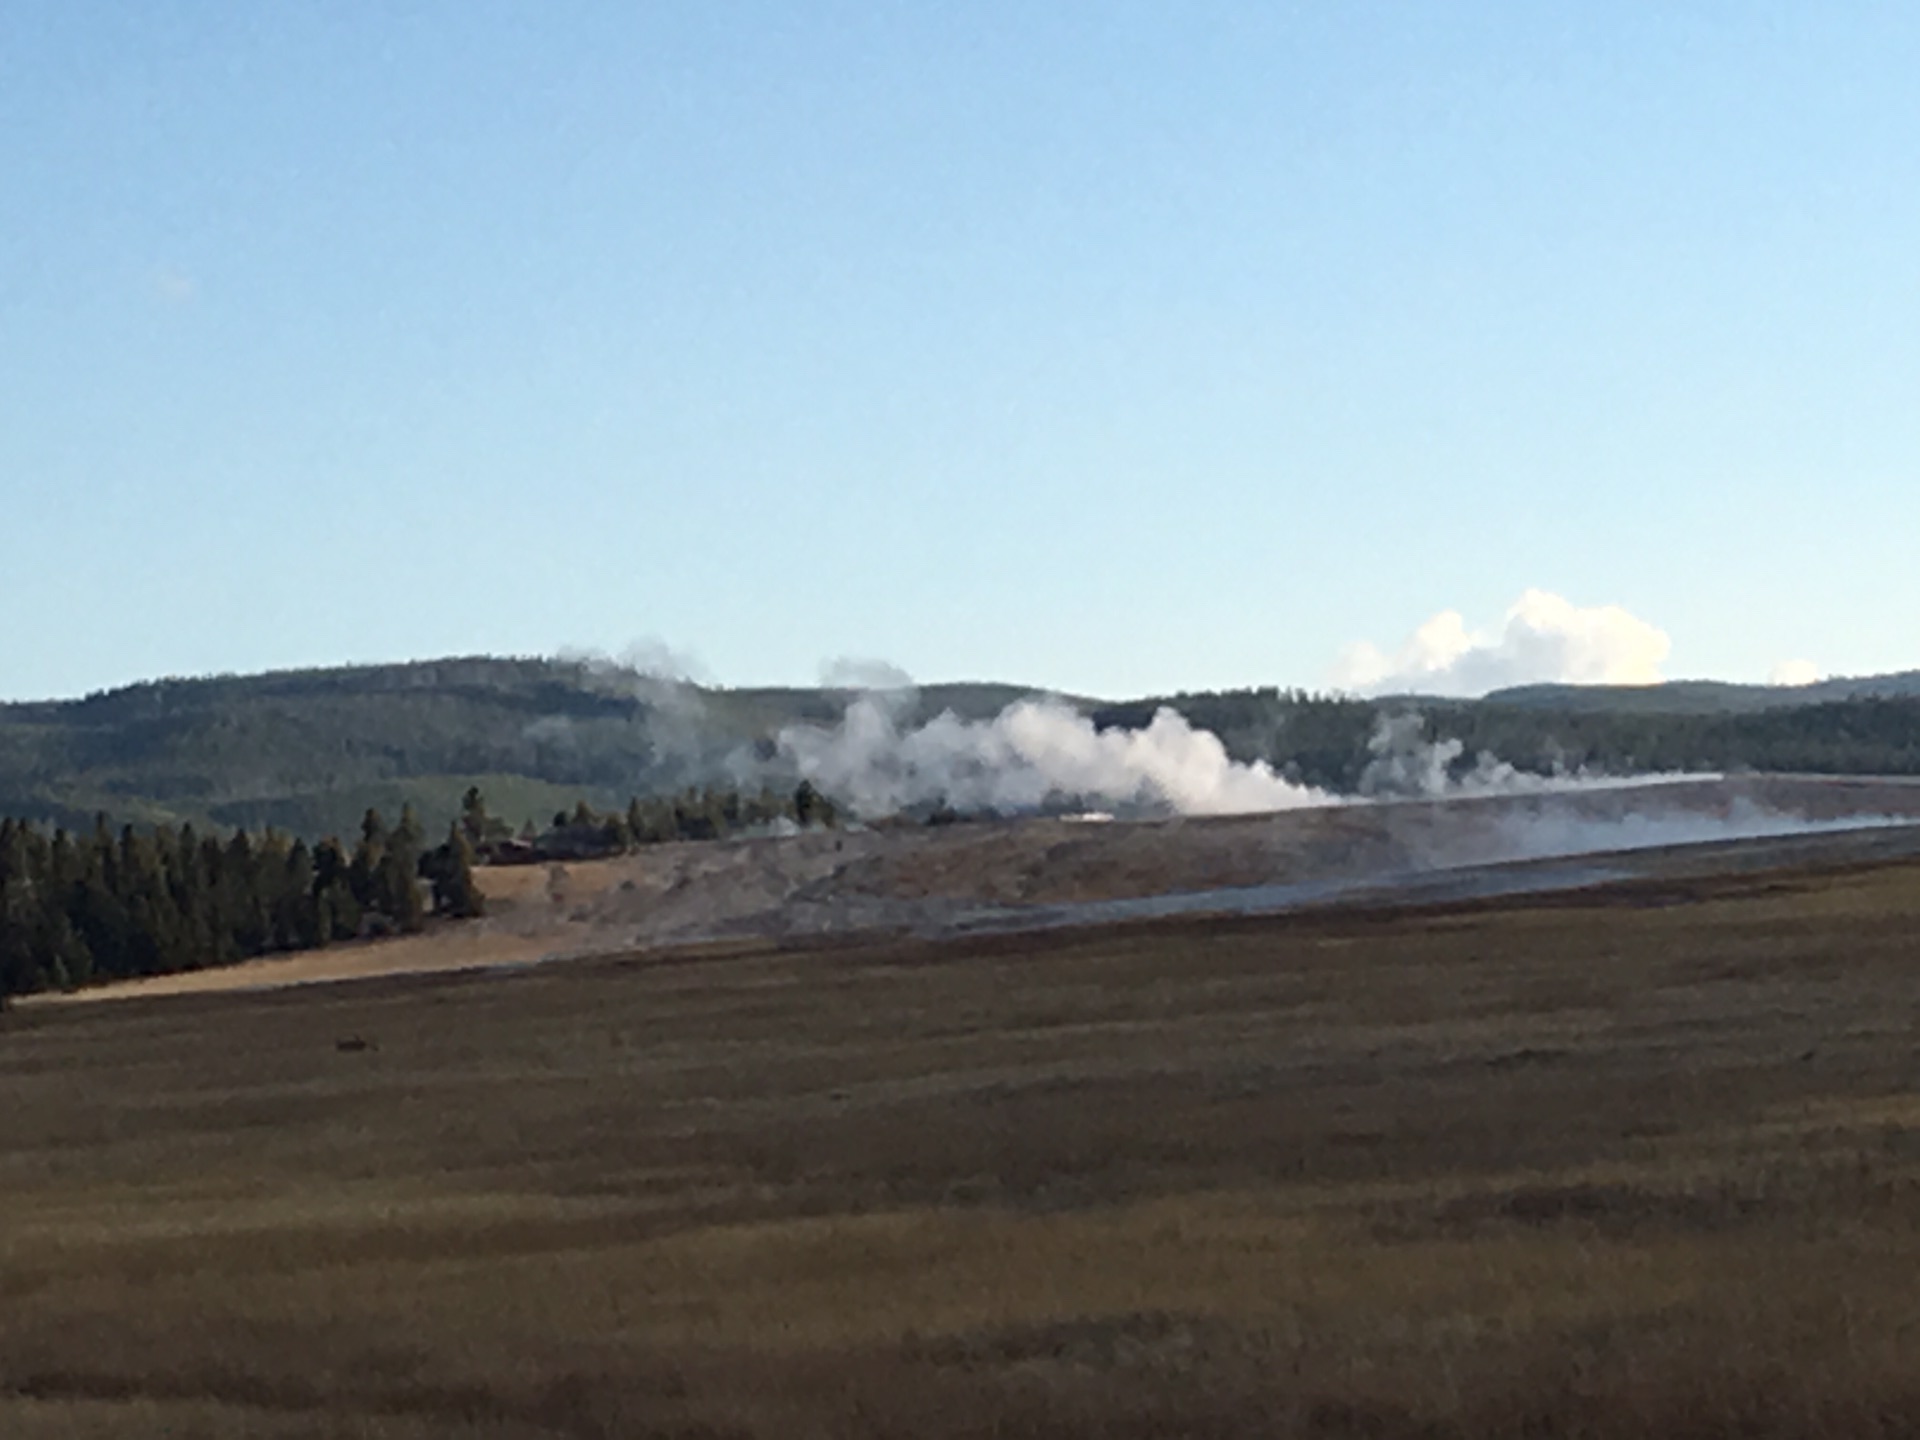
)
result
[(1042, 754), (1035, 753)]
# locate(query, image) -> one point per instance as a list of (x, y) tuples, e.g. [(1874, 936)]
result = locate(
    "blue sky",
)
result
[(1115, 348)]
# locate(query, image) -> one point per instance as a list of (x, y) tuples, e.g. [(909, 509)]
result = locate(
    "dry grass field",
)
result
[(1629, 1162)]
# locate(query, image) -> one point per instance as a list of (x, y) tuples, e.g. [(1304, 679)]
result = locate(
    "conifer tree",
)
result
[(455, 893), (474, 820), (337, 909), (296, 921), (246, 900), (363, 872)]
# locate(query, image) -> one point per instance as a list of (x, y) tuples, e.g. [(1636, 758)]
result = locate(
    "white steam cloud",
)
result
[(1544, 638), (1044, 755), (1033, 754), (1795, 672)]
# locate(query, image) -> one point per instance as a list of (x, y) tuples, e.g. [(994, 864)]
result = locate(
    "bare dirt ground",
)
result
[(1031, 874), (1639, 1159)]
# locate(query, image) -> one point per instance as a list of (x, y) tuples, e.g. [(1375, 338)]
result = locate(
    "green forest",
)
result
[(1324, 740), (109, 904), (115, 904)]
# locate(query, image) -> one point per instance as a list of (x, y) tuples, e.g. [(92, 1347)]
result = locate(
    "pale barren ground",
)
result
[(1640, 1160), (1027, 874)]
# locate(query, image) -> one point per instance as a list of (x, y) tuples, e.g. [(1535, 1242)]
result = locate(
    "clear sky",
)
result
[(1112, 347)]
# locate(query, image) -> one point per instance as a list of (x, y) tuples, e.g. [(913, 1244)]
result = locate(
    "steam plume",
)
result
[(1406, 765), (1034, 753)]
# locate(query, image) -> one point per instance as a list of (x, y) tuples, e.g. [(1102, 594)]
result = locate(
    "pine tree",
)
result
[(408, 834), (455, 894), (20, 972), (296, 922), (398, 884), (362, 873), (247, 897), (474, 820), (810, 807), (336, 908)]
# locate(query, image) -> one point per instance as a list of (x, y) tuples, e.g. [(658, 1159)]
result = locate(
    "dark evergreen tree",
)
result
[(337, 909), (810, 807), (107, 906), (396, 881), (296, 920), (474, 820), (455, 892)]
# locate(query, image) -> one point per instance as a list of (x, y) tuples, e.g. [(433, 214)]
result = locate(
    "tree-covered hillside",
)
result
[(1709, 697), (1326, 741), (310, 752)]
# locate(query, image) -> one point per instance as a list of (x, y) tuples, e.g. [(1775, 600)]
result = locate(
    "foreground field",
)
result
[(1637, 1161)]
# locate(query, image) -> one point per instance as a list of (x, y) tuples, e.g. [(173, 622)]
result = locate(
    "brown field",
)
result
[(1642, 1160)]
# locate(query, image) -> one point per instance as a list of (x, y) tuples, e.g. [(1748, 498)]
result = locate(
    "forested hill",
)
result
[(1709, 697), (1326, 740), (309, 751)]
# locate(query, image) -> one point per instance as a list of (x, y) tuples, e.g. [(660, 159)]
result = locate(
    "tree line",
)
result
[(110, 905), (77, 909), (696, 813), (1323, 740)]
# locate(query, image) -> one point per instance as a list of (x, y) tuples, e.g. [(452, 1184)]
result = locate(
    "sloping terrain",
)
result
[(1049, 873)]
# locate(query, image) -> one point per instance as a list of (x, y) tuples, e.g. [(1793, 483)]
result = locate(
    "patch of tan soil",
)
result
[(1048, 872)]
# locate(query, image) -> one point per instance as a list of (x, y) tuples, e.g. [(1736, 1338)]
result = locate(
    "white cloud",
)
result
[(1795, 672), (1544, 638)]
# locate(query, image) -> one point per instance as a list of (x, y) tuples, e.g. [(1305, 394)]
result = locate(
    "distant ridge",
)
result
[(1707, 697), (309, 751)]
